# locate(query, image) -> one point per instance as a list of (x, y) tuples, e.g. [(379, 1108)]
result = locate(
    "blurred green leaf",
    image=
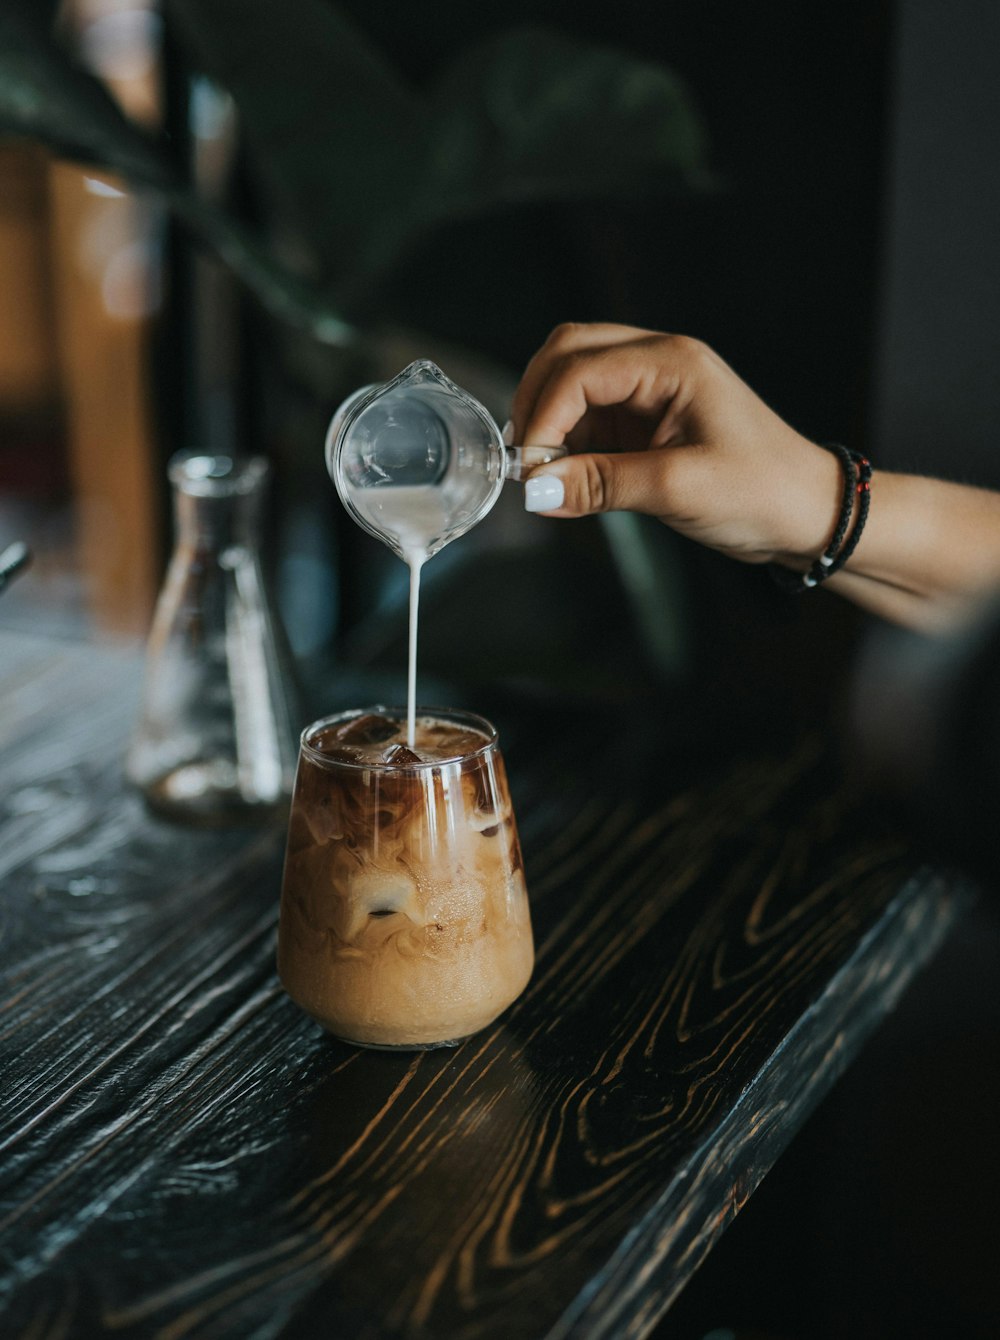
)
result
[(334, 136), (534, 114), (354, 166), (283, 294), (365, 167), (46, 96)]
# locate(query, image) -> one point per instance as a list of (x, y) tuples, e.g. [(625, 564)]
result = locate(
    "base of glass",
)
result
[(207, 795), (401, 1046)]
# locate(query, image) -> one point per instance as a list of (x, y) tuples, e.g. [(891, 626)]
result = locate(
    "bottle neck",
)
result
[(217, 522), (217, 500)]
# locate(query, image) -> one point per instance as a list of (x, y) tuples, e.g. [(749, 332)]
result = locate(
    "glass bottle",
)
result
[(216, 738)]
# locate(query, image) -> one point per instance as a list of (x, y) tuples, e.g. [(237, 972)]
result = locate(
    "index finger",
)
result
[(634, 374), (571, 337)]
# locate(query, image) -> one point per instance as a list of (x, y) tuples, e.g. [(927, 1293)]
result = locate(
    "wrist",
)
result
[(813, 502)]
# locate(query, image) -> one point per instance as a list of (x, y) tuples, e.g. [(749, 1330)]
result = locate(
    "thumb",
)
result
[(598, 482)]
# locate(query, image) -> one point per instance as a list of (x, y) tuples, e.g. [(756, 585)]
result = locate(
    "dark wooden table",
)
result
[(186, 1155)]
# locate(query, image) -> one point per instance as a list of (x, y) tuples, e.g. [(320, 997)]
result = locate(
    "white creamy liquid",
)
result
[(416, 562), (413, 516)]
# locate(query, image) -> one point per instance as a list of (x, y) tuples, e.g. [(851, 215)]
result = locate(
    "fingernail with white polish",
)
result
[(507, 433), (543, 493)]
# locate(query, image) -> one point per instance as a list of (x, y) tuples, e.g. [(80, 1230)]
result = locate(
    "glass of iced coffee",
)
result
[(404, 915)]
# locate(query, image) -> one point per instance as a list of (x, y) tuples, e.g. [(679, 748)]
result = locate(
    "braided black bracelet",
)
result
[(857, 481), (864, 491)]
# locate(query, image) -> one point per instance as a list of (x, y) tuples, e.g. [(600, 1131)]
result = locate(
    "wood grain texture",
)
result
[(184, 1154)]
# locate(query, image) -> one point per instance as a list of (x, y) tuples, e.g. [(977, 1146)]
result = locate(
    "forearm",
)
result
[(928, 549)]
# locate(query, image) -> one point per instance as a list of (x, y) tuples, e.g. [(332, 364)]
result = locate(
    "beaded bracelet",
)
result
[(857, 481)]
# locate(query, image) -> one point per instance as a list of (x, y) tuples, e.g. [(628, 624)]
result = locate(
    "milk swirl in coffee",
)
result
[(404, 914)]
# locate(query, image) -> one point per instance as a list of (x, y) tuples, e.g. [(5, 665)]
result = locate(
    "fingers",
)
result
[(575, 383), (582, 485), (581, 368), (641, 375), (569, 338)]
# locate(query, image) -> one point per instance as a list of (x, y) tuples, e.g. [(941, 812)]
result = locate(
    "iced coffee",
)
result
[(404, 916)]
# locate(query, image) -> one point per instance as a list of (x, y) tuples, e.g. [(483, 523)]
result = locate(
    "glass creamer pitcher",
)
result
[(418, 461)]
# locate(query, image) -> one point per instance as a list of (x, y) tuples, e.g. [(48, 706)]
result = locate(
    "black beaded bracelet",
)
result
[(857, 481)]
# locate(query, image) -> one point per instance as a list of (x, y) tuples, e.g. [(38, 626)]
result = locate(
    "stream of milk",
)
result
[(413, 516)]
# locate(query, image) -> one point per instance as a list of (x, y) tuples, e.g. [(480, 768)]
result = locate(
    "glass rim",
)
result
[(473, 719), (216, 474)]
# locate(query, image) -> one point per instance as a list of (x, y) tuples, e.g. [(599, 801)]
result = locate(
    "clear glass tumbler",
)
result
[(404, 915)]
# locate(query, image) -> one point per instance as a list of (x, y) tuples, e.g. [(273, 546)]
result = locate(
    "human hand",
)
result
[(660, 424)]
